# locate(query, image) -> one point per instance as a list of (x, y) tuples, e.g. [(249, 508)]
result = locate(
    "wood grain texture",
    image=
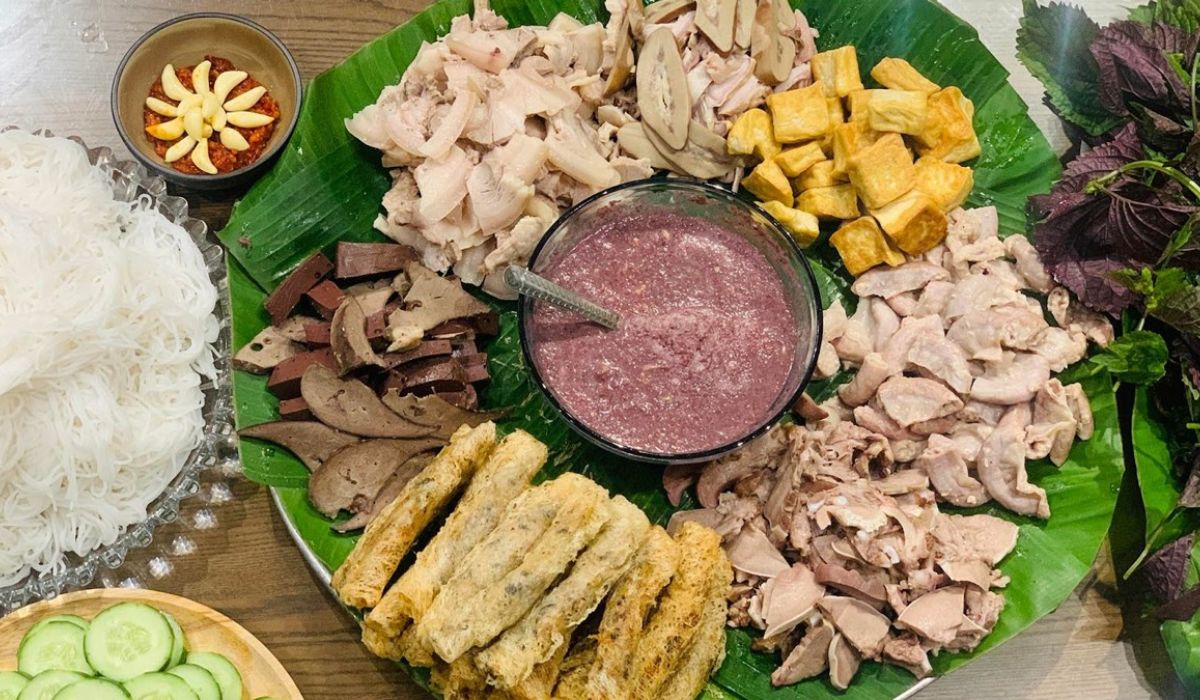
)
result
[(56, 63), (205, 629)]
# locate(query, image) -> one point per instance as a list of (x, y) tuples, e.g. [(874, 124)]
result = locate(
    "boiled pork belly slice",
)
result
[(492, 51), (442, 184), (948, 472), (910, 400), (1001, 467), (497, 201)]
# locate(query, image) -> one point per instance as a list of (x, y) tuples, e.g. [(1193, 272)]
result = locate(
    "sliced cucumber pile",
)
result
[(129, 651)]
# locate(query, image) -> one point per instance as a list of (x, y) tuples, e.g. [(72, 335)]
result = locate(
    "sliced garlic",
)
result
[(167, 131), (189, 103), (200, 78), (159, 107), (210, 106), (180, 149), (246, 100), (233, 140), (171, 85), (218, 120), (201, 159), (226, 82), (249, 120), (193, 123)]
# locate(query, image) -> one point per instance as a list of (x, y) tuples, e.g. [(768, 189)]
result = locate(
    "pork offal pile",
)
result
[(833, 527), (493, 131)]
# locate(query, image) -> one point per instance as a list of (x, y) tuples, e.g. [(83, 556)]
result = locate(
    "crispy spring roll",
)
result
[(625, 615), (360, 580), (456, 622), (462, 679), (501, 479), (549, 623), (539, 684), (380, 645), (673, 626), (573, 678), (523, 522), (708, 651)]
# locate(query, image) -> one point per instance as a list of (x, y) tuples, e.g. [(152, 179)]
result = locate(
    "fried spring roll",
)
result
[(548, 625), (673, 627), (625, 615), (360, 580), (539, 684), (501, 479), (381, 645), (457, 621), (708, 651)]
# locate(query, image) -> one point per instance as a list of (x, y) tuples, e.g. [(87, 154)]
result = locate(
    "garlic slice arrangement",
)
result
[(204, 111)]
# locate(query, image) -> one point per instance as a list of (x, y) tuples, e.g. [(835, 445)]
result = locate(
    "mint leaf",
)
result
[(1138, 357), (1184, 14), (1053, 42)]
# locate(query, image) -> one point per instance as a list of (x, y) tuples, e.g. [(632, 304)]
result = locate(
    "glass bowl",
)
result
[(731, 212), (204, 482)]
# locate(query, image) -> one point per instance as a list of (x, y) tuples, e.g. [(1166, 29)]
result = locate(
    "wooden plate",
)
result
[(206, 630)]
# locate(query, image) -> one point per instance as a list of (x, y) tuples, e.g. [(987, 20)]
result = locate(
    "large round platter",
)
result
[(144, 550), (206, 630), (342, 183)]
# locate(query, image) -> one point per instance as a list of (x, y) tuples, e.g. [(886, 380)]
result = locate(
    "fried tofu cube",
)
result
[(947, 184), (835, 202), (882, 171), (797, 159), (819, 175), (900, 111), (802, 225), (863, 246), (848, 139), (949, 133), (837, 115), (837, 71), (914, 221), (752, 134), (800, 114), (856, 103), (898, 74), (768, 183)]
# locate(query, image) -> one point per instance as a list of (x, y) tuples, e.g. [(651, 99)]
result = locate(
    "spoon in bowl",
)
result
[(531, 284)]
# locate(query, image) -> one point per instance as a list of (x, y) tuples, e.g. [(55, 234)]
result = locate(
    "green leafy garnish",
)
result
[(1138, 357)]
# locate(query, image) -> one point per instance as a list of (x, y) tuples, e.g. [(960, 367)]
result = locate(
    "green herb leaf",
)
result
[(1138, 357), (1184, 14), (1182, 640), (1053, 43)]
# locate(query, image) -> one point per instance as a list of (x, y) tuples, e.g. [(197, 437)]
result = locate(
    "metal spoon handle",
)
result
[(533, 285)]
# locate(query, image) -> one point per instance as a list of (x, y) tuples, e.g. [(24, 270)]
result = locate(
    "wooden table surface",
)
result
[(56, 62)]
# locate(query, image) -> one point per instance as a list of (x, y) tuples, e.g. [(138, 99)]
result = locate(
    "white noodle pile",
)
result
[(106, 326)]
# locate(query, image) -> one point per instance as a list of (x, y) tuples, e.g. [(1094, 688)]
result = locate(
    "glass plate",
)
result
[(205, 480)]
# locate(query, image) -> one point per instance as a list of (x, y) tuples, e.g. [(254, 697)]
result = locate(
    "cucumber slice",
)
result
[(92, 689), (159, 686), (127, 640), (45, 686), (57, 646), (11, 684), (73, 619), (199, 679), (179, 648), (225, 673)]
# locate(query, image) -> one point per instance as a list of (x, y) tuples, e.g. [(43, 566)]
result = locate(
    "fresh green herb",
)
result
[(1138, 357)]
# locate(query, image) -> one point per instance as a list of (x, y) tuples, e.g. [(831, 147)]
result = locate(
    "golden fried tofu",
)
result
[(863, 246), (901, 111), (848, 139), (914, 221), (819, 175), (898, 74), (837, 115), (947, 184), (797, 159), (836, 202), (949, 133), (882, 171), (800, 114), (752, 134), (837, 71), (768, 183), (856, 103), (802, 225)]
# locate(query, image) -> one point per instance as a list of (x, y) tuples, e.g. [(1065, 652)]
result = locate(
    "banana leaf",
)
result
[(327, 187)]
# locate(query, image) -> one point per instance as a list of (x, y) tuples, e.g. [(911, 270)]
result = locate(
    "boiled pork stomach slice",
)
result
[(910, 400), (1014, 380), (1001, 467), (948, 472)]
